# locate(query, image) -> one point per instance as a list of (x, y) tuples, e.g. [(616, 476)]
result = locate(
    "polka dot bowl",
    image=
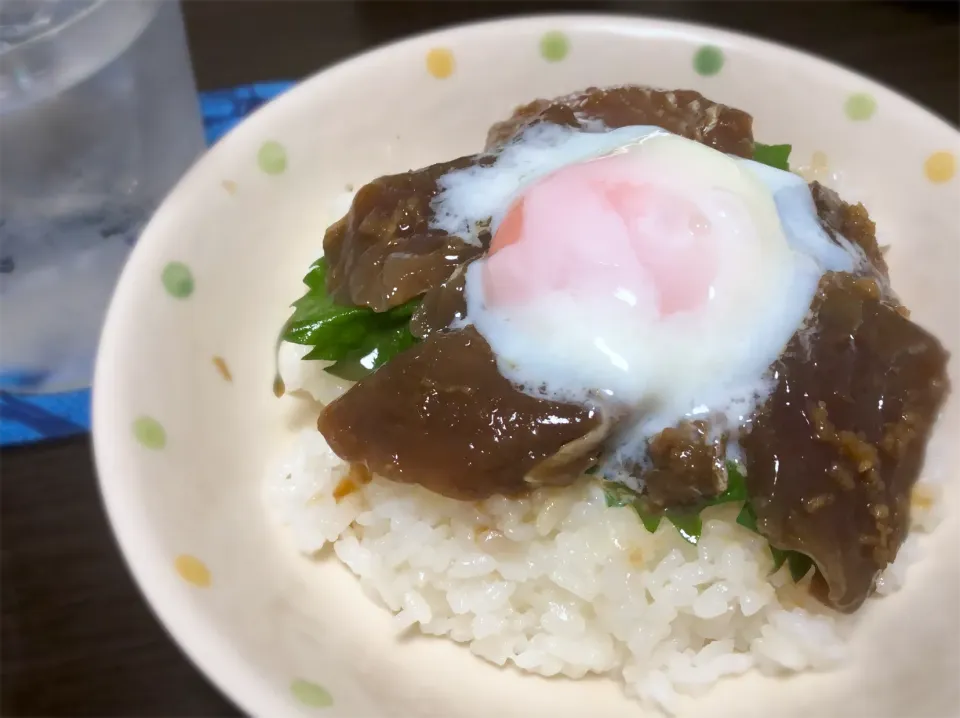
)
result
[(185, 420)]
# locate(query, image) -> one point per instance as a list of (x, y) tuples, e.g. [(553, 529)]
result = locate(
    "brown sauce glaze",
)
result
[(683, 112), (442, 305), (441, 415), (686, 467), (383, 252), (833, 456), (849, 221)]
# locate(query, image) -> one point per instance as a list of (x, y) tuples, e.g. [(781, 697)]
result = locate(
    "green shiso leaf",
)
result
[(357, 339), (776, 156)]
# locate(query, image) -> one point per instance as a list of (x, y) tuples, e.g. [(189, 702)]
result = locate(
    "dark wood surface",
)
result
[(77, 638)]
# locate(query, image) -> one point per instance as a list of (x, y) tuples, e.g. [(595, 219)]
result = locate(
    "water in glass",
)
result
[(99, 118)]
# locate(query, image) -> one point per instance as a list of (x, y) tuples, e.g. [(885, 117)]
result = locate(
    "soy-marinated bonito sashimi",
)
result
[(684, 112), (850, 223), (442, 416), (626, 285), (442, 305), (833, 456), (386, 251), (685, 466)]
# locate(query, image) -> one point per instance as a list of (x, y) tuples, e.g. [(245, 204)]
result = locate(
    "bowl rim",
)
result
[(210, 652)]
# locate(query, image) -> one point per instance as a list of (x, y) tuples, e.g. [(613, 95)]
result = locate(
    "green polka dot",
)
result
[(272, 158), (177, 280), (149, 433), (708, 60), (860, 106), (310, 694), (554, 46)]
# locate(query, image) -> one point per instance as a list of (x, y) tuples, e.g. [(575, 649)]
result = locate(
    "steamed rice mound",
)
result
[(557, 583)]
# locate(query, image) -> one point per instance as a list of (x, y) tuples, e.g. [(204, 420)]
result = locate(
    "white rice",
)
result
[(556, 582)]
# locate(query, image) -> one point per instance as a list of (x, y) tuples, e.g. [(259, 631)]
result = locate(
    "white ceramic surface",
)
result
[(185, 421)]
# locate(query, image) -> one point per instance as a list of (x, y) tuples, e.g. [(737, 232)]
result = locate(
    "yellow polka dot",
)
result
[(222, 369), (440, 62), (940, 167), (230, 186), (819, 160), (192, 570)]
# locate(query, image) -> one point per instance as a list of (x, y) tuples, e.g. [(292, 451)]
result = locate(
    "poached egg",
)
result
[(638, 270)]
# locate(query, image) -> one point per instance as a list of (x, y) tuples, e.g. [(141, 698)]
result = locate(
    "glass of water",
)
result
[(99, 117)]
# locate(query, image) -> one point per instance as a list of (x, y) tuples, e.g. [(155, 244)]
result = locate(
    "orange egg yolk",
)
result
[(604, 227)]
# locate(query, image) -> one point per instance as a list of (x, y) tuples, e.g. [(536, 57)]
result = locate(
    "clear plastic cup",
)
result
[(99, 117)]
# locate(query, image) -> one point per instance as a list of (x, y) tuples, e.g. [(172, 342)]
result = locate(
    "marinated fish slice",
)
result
[(850, 222), (384, 252), (835, 452), (441, 415), (441, 305), (683, 112), (685, 467)]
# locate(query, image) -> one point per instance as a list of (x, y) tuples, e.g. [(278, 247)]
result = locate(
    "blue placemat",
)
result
[(25, 419)]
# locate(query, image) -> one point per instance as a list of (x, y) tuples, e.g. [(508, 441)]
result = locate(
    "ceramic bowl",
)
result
[(185, 421)]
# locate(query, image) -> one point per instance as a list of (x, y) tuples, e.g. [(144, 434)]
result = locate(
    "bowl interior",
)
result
[(186, 423)]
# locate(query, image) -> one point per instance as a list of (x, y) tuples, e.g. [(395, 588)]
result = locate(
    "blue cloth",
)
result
[(27, 418)]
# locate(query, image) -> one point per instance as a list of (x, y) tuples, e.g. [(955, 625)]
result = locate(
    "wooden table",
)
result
[(77, 638)]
